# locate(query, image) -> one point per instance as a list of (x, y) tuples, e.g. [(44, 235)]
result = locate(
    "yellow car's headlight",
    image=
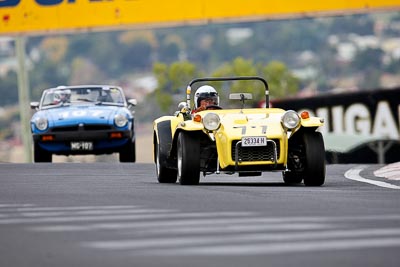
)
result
[(290, 120), (211, 121)]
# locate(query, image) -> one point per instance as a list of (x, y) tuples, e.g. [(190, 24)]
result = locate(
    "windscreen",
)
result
[(79, 95)]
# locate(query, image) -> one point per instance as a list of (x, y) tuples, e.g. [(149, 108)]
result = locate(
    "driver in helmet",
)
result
[(205, 96), (61, 96)]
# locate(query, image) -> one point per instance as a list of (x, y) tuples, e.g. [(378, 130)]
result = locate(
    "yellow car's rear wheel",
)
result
[(188, 158), (164, 174)]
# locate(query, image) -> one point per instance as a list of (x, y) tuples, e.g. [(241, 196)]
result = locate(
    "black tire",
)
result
[(314, 173), (41, 155), (128, 152), (292, 178), (188, 157), (296, 161), (164, 174)]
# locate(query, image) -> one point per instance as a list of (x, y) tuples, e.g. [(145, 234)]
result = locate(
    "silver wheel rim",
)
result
[(158, 163), (179, 163)]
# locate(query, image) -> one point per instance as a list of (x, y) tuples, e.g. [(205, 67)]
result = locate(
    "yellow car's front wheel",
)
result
[(188, 157), (306, 159)]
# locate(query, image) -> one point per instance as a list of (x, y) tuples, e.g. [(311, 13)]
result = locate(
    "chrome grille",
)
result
[(258, 153), (87, 127), (65, 129)]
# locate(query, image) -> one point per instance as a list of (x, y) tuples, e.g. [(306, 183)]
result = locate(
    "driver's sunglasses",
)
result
[(209, 94), (209, 100)]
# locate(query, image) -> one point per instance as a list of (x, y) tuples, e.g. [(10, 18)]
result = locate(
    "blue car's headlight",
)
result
[(41, 123), (120, 120)]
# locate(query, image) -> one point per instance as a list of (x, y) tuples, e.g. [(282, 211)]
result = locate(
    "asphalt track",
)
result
[(114, 214)]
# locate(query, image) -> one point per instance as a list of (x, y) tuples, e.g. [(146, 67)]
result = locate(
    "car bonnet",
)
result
[(81, 114)]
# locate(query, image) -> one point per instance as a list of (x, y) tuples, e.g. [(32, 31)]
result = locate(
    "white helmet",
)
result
[(205, 92), (62, 96)]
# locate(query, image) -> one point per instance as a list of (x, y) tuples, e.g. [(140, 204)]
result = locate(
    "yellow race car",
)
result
[(245, 139)]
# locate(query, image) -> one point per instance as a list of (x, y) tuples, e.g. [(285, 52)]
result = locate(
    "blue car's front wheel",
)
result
[(128, 152), (41, 155)]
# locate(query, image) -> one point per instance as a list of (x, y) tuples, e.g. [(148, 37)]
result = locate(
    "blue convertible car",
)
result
[(85, 119)]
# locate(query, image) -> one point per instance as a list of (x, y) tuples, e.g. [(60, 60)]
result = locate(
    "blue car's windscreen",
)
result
[(96, 95)]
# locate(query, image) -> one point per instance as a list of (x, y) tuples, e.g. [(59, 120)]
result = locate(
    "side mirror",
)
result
[(132, 102), (182, 105), (183, 109), (34, 105)]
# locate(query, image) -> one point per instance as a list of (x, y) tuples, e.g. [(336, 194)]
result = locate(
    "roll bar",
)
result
[(237, 78)]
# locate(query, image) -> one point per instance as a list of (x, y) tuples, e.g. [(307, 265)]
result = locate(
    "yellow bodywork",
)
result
[(238, 123)]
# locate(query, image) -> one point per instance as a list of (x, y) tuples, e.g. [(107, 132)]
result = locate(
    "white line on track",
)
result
[(242, 239), (282, 248), (167, 223), (170, 232), (91, 212), (354, 174), (149, 214), (33, 208), (15, 205), (207, 228)]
